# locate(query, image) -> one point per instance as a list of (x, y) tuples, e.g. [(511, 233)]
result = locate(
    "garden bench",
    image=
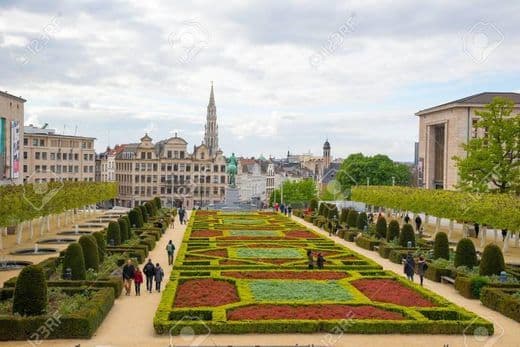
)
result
[(376, 248), (447, 279)]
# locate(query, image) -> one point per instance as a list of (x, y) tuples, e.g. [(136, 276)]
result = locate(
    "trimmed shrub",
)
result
[(344, 216), (123, 229), (465, 253), (362, 221), (501, 301), (367, 242), (352, 218), (135, 218), (157, 202), (30, 294), (144, 212), (407, 234), (140, 216), (149, 209), (129, 230), (90, 252), (393, 230), (332, 211), (313, 204), (75, 261), (381, 227), (441, 246), (101, 245), (492, 262), (321, 209), (113, 233)]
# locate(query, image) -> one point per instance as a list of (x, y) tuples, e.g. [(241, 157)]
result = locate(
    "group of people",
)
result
[(320, 260), (411, 267), (152, 273), (286, 210)]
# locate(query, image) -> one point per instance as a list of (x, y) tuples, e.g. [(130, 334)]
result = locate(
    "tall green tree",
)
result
[(492, 162), (376, 170), (295, 192)]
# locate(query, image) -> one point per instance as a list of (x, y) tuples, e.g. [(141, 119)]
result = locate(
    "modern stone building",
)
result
[(168, 170), (48, 156), (11, 138), (442, 131)]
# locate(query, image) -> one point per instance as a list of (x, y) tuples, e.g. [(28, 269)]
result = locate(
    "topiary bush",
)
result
[(101, 245), (129, 230), (392, 232), (441, 246), (90, 252), (381, 227), (344, 216), (144, 213), (157, 202), (407, 234), (30, 293), (362, 221), (321, 209), (492, 262), (465, 254), (149, 209), (123, 229), (136, 220), (75, 261), (113, 233), (313, 204), (352, 218)]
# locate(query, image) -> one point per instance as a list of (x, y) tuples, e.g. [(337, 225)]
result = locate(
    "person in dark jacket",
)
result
[(418, 222), (310, 259), (149, 272), (477, 229), (128, 276), (421, 268), (320, 261), (407, 219), (159, 275), (170, 248), (409, 266)]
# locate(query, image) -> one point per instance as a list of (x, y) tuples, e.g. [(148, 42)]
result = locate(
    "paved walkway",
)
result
[(129, 323)]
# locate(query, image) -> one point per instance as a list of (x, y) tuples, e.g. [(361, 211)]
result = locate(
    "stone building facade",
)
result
[(11, 138), (442, 131)]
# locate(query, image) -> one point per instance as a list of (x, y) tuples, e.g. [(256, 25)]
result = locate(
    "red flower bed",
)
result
[(205, 292), (261, 312), (304, 234), (259, 245), (293, 275), (391, 291), (276, 261), (246, 238), (233, 262), (206, 233), (216, 253)]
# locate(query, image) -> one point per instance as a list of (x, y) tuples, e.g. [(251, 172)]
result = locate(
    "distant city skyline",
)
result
[(287, 76)]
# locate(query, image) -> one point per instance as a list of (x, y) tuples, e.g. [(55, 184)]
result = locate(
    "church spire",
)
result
[(211, 128), (211, 97)]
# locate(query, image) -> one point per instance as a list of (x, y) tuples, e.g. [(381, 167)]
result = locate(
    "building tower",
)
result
[(326, 155), (211, 129)]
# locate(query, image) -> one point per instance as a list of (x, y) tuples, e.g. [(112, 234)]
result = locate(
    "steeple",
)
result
[(211, 128)]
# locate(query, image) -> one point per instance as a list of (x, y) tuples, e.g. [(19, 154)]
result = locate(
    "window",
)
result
[(44, 168), (176, 154), (64, 156), (35, 142), (85, 169), (76, 169), (37, 155), (182, 154), (188, 167), (25, 141), (53, 156), (76, 156), (169, 154), (53, 168), (83, 145), (91, 157), (143, 155), (25, 168), (42, 143), (85, 156), (58, 156), (44, 155), (37, 168), (474, 129), (149, 155), (70, 168), (202, 155), (25, 155)]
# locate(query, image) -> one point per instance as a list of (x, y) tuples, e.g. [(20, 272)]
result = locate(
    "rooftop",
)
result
[(7, 95)]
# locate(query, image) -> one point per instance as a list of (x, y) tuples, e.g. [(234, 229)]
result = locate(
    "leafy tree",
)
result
[(441, 246), (393, 230), (295, 193), (407, 235), (75, 261), (465, 254), (492, 262), (379, 169), (492, 162), (30, 293)]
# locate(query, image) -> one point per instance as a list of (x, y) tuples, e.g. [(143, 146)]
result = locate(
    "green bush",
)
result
[(393, 230), (407, 234), (149, 209), (90, 252), (133, 216), (75, 260), (434, 273), (144, 213), (470, 287), (101, 245), (492, 262), (367, 242), (441, 246), (381, 227), (157, 202), (321, 209), (362, 221), (129, 230), (344, 216), (123, 229), (352, 218), (501, 301), (113, 234), (465, 254), (313, 204), (30, 294)]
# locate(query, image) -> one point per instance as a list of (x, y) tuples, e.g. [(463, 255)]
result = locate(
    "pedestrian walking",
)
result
[(138, 280), (149, 272), (504, 234), (159, 275), (418, 222), (421, 268), (170, 248), (407, 219), (320, 261), (181, 215), (409, 266), (310, 259), (289, 210), (477, 229), (128, 275)]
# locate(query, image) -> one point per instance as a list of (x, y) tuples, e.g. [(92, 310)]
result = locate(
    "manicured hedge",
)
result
[(367, 242), (434, 273), (90, 252), (30, 294), (465, 254), (393, 230), (75, 260), (501, 300), (441, 246), (492, 262)]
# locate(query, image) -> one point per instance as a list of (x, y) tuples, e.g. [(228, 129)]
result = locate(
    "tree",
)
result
[(295, 193), (362, 221), (465, 254), (344, 216), (407, 235), (30, 293), (381, 227), (90, 252), (492, 162), (352, 218), (157, 202), (393, 230), (313, 204), (492, 262), (114, 233), (75, 261), (441, 246), (144, 213), (378, 169), (101, 245), (123, 229)]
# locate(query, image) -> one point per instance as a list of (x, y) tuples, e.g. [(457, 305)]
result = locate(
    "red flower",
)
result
[(391, 291)]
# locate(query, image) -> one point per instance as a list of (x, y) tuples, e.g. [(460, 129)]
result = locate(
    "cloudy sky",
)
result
[(287, 74)]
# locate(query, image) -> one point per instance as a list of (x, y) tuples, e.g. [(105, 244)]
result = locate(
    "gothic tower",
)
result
[(326, 155), (211, 129)]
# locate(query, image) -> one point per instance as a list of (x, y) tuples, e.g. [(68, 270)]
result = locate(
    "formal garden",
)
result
[(248, 273), (475, 275), (70, 295)]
